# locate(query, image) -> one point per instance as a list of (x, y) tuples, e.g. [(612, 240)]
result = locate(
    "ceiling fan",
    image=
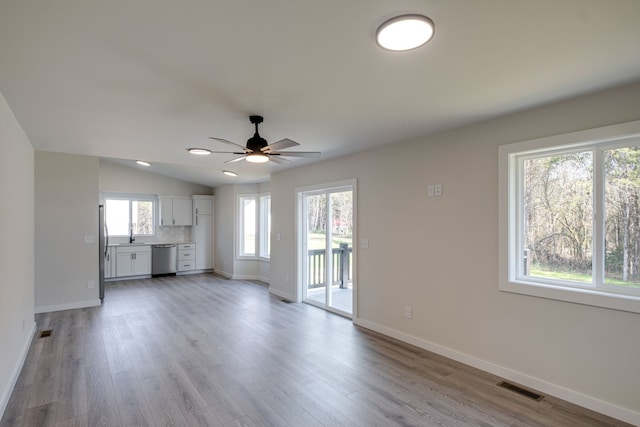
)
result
[(258, 151)]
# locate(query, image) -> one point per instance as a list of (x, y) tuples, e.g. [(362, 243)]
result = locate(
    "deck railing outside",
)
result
[(342, 274)]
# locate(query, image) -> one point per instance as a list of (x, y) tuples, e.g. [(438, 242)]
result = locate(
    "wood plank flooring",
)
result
[(200, 350)]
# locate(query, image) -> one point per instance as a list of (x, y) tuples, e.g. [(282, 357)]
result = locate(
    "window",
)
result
[(254, 230), (127, 215), (570, 217), (265, 226), (247, 229)]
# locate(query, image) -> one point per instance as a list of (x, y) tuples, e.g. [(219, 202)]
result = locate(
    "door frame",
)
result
[(300, 235)]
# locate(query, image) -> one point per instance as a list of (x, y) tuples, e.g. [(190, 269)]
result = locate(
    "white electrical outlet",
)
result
[(91, 284), (407, 312), (437, 190), (88, 238)]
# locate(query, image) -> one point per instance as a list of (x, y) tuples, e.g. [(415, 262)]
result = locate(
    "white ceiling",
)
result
[(146, 79)]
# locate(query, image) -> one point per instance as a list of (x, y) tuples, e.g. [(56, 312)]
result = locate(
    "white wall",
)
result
[(439, 255), (116, 178), (16, 259), (66, 211)]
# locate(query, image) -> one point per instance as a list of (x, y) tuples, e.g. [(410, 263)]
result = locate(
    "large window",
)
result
[(570, 217), (126, 215), (265, 226), (247, 228), (254, 226)]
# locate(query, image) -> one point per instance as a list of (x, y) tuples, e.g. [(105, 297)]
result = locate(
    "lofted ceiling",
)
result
[(147, 79)]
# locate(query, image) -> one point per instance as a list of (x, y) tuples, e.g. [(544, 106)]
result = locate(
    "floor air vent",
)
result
[(527, 393), (46, 333)]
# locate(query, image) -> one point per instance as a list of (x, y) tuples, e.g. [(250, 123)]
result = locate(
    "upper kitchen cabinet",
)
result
[(203, 205), (175, 211)]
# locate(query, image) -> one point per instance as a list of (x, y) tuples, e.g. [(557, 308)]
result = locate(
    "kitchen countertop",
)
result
[(147, 243)]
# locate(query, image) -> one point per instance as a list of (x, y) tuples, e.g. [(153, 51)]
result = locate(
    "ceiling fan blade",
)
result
[(280, 145), (297, 153), (231, 152), (237, 159), (226, 141), (278, 159)]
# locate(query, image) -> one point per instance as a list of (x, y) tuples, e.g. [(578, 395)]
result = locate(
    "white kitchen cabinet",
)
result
[(203, 205), (133, 260), (110, 263), (187, 256), (175, 211), (202, 231)]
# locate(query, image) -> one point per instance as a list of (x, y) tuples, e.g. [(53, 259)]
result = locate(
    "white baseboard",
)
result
[(68, 306), (250, 277), (6, 393), (224, 274), (555, 390), (280, 294)]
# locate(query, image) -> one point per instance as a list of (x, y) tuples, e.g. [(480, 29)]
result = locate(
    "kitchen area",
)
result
[(151, 235)]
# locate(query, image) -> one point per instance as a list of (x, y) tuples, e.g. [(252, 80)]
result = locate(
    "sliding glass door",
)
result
[(327, 248)]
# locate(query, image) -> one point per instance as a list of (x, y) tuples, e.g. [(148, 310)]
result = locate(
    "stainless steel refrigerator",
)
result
[(103, 243)]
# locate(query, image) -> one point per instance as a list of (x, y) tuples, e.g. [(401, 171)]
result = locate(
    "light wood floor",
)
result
[(200, 350)]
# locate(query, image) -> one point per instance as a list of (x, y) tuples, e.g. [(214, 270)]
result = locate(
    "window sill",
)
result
[(573, 295)]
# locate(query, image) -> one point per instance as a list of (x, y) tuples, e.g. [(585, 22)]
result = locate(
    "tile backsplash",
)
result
[(164, 234)]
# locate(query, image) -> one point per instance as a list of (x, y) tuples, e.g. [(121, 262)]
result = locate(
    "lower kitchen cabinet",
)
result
[(186, 257), (133, 261)]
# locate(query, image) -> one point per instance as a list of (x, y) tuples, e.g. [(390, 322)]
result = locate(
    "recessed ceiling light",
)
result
[(199, 151), (405, 32), (142, 163), (229, 173)]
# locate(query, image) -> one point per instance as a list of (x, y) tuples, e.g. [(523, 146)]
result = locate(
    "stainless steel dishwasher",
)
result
[(163, 259)]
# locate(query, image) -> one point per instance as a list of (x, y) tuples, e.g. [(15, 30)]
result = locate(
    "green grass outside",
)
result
[(577, 277), (317, 241)]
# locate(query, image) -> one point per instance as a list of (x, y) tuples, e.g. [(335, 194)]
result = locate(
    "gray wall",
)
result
[(439, 255), (17, 254)]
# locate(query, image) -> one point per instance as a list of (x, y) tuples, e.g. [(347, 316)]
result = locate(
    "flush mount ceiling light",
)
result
[(199, 151), (229, 173), (405, 32), (142, 163)]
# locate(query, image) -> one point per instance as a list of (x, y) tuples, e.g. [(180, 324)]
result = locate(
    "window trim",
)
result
[(508, 217), (130, 197)]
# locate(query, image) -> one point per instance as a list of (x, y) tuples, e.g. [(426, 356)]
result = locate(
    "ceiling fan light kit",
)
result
[(405, 32), (257, 158), (258, 150)]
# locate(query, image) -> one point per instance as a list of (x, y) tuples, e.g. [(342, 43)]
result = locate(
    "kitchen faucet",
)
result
[(131, 238)]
